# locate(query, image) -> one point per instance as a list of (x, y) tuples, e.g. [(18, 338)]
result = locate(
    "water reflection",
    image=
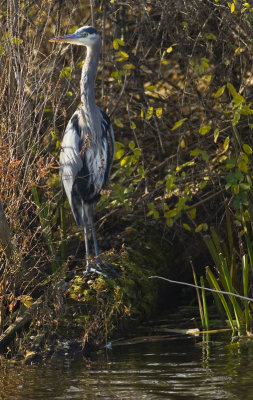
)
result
[(179, 367)]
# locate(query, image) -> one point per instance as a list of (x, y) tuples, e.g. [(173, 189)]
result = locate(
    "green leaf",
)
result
[(210, 36), (201, 227), (192, 213), (171, 213), (133, 125), (216, 135), (195, 152), (169, 222), (205, 62), (150, 88), (156, 214), (226, 144), (65, 73), (231, 163), (204, 129), (187, 227), (244, 186), (151, 206), (128, 66), (219, 92), (137, 152), (117, 75), (247, 149), (16, 40), (236, 118), (178, 124), (118, 123), (237, 98), (119, 145), (243, 166), (122, 55), (131, 145)]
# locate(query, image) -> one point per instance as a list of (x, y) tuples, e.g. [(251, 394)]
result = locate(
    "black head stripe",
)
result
[(89, 30)]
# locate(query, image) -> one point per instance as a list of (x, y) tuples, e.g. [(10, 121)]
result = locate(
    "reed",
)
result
[(231, 273)]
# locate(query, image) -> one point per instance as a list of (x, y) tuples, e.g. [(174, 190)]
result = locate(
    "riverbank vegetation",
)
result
[(176, 79)]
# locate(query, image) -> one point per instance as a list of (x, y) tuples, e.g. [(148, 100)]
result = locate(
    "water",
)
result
[(178, 367)]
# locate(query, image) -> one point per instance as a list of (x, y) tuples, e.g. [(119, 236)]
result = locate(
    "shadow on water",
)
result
[(178, 367)]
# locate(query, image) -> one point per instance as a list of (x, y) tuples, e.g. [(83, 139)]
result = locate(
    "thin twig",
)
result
[(201, 287)]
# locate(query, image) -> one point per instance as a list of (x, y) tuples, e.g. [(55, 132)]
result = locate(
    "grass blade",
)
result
[(230, 288), (216, 286), (201, 312), (245, 266), (206, 319)]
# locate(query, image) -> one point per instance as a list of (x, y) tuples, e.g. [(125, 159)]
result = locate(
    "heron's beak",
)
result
[(66, 38)]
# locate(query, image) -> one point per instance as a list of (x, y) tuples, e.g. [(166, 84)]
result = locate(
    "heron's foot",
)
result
[(94, 268)]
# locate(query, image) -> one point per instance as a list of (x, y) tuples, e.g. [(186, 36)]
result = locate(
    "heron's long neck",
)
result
[(87, 88)]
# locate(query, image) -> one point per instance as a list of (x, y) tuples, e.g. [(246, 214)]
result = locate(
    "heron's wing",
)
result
[(109, 141), (70, 159)]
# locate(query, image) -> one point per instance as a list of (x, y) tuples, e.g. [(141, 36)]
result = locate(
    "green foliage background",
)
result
[(176, 79)]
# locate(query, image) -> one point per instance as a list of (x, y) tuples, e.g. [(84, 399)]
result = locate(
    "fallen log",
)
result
[(19, 323)]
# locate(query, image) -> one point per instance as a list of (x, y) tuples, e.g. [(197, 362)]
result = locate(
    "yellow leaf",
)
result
[(226, 144), (203, 130), (28, 303), (219, 92), (201, 227), (126, 160), (159, 112), (247, 149), (187, 227), (232, 7), (149, 113), (178, 124), (128, 66), (216, 135), (123, 55), (115, 44), (119, 154), (182, 143), (133, 125), (118, 123), (118, 42)]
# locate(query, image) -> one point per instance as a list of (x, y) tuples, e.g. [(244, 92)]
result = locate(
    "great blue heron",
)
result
[(87, 151)]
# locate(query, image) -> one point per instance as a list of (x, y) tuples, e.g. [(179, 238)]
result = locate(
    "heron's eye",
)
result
[(85, 34)]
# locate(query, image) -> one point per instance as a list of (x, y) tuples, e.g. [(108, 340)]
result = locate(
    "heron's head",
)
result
[(85, 36)]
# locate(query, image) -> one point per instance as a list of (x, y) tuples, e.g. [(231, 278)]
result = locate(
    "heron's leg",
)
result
[(93, 231), (100, 264), (86, 240), (90, 267)]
